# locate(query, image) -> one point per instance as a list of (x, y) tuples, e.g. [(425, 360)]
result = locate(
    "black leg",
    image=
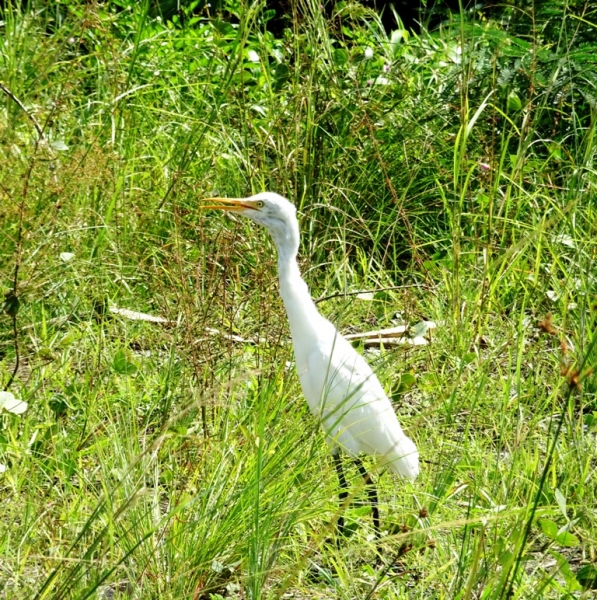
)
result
[(372, 494), (343, 490)]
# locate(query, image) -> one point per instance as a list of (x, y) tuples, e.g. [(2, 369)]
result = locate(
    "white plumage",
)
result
[(340, 387)]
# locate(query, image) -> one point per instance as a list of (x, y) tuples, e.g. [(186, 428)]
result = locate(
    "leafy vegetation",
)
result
[(445, 175)]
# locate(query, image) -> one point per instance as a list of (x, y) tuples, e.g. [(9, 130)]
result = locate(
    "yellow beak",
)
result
[(229, 204)]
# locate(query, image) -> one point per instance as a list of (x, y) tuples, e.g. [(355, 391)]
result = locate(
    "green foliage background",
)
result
[(446, 175)]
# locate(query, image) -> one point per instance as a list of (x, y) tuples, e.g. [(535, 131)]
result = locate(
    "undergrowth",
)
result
[(442, 176)]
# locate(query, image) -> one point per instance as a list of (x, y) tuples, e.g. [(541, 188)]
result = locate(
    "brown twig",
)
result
[(19, 250), (12, 296)]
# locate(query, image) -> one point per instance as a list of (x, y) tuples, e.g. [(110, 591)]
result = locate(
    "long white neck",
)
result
[(300, 308)]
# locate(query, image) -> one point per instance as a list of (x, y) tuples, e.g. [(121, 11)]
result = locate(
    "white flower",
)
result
[(11, 404), (253, 56), (368, 53), (564, 239)]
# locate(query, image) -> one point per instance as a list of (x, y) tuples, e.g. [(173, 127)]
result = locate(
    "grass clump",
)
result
[(444, 175)]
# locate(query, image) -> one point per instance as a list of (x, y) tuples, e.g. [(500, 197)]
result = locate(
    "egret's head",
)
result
[(269, 209)]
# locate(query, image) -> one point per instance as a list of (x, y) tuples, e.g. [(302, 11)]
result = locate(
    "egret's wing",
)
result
[(353, 408)]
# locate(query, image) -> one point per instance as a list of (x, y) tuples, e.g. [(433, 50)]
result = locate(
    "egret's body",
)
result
[(340, 387)]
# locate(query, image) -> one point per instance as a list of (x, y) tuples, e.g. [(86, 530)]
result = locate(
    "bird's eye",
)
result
[(260, 204)]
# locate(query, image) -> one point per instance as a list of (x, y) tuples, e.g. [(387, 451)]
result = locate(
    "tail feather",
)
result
[(403, 459)]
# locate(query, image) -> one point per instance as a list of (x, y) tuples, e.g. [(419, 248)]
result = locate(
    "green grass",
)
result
[(173, 460)]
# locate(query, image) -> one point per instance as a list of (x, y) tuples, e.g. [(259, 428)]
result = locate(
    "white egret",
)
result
[(341, 389)]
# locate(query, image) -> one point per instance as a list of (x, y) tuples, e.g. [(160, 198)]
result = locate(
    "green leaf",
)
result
[(281, 76), (11, 304), (404, 384), (565, 571), (555, 152), (340, 56), (506, 558), (591, 419), (58, 405), (514, 103), (483, 200), (222, 27), (469, 358), (121, 365), (561, 502), (587, 577), (567, 539), (549, 528), (564, 538), (268, 15)]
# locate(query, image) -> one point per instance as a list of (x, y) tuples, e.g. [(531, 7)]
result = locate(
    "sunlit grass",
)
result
[(179, 459)]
